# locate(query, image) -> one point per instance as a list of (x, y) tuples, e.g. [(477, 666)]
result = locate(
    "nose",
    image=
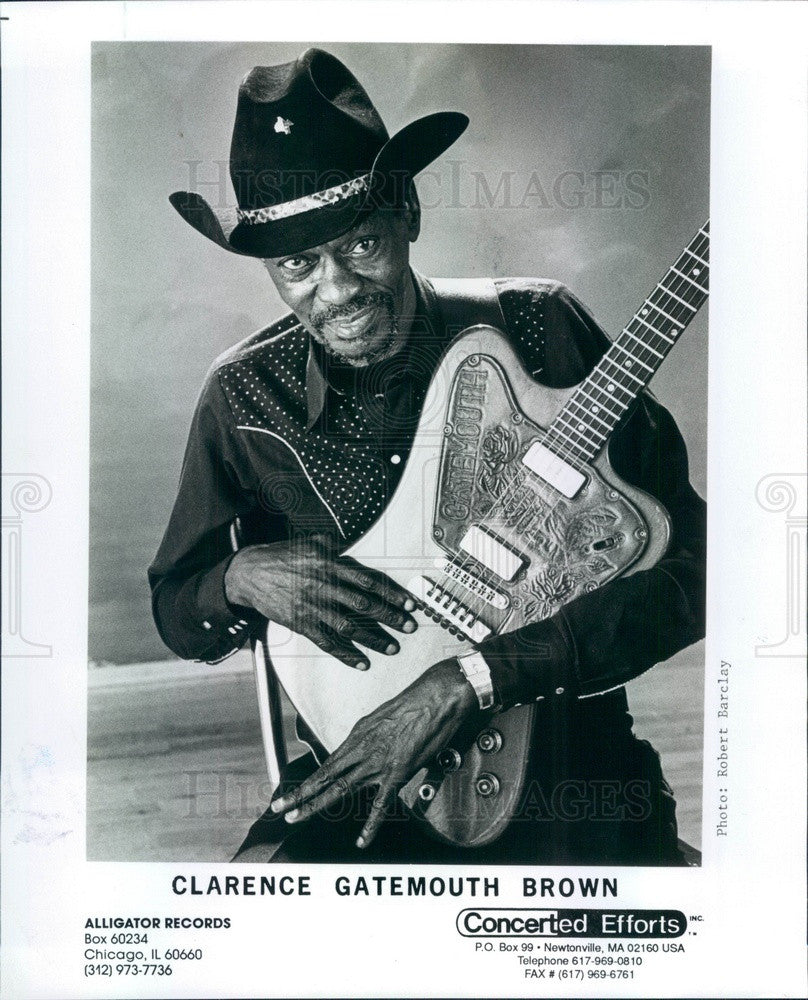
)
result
[(337, 283)]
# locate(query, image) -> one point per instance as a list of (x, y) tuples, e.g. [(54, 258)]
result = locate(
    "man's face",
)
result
[(352, 293)]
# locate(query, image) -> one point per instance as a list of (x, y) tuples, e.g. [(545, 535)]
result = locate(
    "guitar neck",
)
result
[(583, 426)]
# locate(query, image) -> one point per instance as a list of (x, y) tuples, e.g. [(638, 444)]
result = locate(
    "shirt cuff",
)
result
[(532, 663), (226, 625)]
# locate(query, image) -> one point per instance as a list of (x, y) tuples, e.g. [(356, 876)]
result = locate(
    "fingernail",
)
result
[(392, 648), (409, 604), (410, 626), (362, 665), (277, 805), (360, 842), (290, 817)]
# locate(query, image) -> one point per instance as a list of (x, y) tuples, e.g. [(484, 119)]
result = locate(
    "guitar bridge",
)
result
[(447, 609), (474, 584)]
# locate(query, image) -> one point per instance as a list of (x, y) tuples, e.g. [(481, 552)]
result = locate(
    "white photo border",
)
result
[(751, 889)]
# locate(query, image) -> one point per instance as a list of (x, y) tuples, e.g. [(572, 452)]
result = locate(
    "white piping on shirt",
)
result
[(261, 430)]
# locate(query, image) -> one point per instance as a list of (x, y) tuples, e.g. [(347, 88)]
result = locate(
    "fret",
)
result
[(706, 233), (667, 291), (676, 322), (622, 404), (557, 432), (580, 427), (692, 282), (601, 403), (629, 333), (611, 393), (598, 405), (632, 359), (623, 371), (589, 414), (653, 329), (701, 260)]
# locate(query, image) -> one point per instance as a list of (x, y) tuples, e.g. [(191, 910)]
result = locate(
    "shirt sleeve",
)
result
[(603, 639), (190, 608)]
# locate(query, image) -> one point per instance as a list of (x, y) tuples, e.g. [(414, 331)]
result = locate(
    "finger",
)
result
[(372, 581), (363, 631), (313, 785), (362, 603), (378, 810), (330, 642), (333, 794)]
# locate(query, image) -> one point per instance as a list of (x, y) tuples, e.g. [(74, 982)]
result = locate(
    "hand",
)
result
[(331, 600), (388, 746)]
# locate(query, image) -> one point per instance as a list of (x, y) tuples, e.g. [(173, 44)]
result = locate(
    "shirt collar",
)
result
[(317, 384)]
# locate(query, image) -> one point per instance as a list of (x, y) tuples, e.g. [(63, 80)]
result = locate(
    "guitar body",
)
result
[(483, 532)]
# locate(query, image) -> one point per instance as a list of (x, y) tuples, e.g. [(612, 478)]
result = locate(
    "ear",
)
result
[(412, 212)]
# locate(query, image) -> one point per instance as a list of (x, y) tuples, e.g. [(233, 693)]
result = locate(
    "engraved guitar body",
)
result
[(466, 453), (508, 509)]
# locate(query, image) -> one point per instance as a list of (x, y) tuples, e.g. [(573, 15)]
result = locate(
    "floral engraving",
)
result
[(586, 527), (499, 448), (546, 591)]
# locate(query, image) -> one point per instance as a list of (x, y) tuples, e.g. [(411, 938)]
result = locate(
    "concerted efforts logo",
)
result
[(526, 922)]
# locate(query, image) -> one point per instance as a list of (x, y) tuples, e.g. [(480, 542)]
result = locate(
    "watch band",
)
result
[(478, 674)]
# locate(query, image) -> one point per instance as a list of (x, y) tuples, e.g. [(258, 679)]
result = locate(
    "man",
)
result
[(300, 437)]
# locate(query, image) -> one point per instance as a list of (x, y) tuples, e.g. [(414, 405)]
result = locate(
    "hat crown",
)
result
[(301, 127), (309, 156)]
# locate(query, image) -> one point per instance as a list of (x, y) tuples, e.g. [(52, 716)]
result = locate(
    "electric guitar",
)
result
[(508, 509)]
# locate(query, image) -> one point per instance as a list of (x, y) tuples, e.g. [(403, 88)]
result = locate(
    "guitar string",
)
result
[(684, 294), (559, 441), (565, 447), (565, 436)]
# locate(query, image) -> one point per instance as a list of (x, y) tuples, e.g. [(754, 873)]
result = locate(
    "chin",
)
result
[(366, 351)]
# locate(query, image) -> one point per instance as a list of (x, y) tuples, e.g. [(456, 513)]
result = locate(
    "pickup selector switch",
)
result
[(489, 741)]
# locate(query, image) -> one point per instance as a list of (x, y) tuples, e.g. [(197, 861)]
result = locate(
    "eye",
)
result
[(294, 264), (361, 248)]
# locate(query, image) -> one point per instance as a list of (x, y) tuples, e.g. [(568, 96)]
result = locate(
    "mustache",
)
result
[(351, 308)]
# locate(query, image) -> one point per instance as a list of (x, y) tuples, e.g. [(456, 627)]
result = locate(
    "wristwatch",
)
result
[(477, 673)]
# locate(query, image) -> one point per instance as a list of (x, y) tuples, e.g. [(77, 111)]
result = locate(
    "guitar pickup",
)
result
[(553, 470), (491, 553)]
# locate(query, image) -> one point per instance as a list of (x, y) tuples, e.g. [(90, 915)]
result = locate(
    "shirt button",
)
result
[(207, 625), (395, 459)]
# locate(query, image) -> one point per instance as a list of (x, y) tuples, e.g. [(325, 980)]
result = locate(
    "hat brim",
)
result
[(403, 155)]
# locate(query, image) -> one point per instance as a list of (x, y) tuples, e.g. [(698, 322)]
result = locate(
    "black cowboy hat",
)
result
[(309, 157)]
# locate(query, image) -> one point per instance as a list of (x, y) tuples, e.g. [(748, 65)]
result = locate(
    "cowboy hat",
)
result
[(309, 157)]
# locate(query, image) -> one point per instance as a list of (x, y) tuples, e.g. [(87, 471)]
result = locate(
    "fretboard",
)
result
[(593, 411)]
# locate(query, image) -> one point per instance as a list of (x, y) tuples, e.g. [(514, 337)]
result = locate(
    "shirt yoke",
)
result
[(263, 377)]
